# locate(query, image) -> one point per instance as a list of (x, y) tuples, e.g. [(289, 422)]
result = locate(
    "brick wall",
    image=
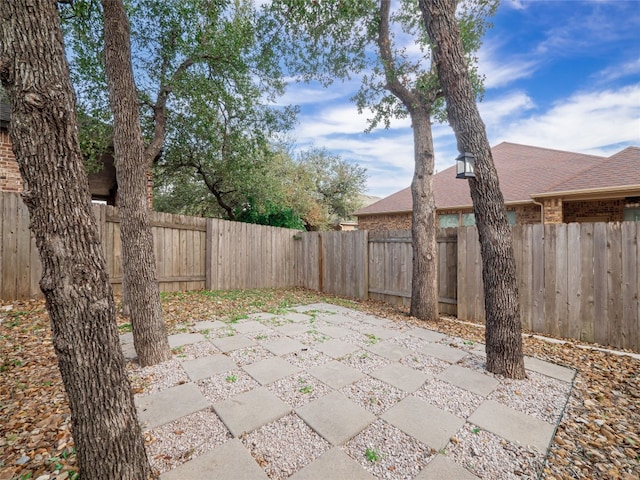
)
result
[(10, 180), (594, 211), (552, 210), (396, 221), (526, 214)]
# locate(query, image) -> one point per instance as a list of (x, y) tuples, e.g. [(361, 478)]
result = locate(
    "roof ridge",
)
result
[(549, 149)]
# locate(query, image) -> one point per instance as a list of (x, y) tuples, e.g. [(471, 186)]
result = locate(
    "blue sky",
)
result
[(562, 74)]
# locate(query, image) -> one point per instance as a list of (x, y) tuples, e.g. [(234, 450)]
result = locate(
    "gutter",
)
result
[(601, 192)]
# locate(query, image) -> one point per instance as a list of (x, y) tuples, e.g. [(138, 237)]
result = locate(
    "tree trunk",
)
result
[(503, 332), (74, 282), (138, 260), (424, 277)]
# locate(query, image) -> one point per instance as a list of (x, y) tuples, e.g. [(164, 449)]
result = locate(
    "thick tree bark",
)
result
[(138, 260), (78, 295), (503, 328), (424, 275)]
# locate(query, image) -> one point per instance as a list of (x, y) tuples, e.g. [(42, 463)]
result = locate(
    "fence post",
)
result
[(208, 254), (320, 263), (364, 284)]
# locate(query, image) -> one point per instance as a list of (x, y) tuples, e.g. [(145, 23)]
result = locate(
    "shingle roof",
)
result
[(523, 171), (618, 170)]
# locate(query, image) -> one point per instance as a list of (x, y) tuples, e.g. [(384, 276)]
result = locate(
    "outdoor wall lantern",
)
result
[(465, 165)]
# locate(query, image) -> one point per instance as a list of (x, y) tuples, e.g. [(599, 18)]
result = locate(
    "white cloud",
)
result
[(512, 104), (615, 72), (499, 69), (586, 122)]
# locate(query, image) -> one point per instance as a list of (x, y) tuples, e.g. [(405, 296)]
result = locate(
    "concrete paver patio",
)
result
[(334, 416)]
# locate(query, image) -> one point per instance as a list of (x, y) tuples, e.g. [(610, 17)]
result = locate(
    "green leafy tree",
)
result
[(316, 187), (188, 58), (503, 331), (330, 40), (335, 183)]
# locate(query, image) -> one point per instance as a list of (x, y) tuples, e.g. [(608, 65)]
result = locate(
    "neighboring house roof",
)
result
[(525, 171), (616, 172)]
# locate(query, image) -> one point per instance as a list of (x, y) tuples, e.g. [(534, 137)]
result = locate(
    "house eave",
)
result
[(592, 193)]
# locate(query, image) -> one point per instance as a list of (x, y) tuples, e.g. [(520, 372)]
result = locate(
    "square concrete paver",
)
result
[(335, 332), (235, 342), (389, 350), (335, 465), (443, 352), (335, 417), (229, 461), (549, 369), (441, 468), (336, 319), (271, 369), (206, 367), (209, 325), (298, 317), (247, 411), (336, 374), (169, 405), (375, 321), (428, 335), (470, 380), (249, 326), (402, 377), (181, 339), (380, 332), (513, 425), (336, 348), (424, 422), (283, 346), (292, 329)]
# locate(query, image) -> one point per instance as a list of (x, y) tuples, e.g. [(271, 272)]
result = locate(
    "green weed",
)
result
[(372, 455)]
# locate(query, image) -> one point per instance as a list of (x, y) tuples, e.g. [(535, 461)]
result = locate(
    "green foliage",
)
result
[(338, 40), (274, 215), (208, 69)]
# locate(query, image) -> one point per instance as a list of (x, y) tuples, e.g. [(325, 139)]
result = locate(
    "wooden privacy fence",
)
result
[(372, 265), (191, 253), (577, 281)]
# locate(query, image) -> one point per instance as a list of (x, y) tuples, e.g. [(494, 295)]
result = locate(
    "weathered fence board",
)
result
[(577, 280)]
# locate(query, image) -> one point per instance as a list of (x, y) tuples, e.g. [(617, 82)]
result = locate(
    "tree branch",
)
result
[(390, 71)]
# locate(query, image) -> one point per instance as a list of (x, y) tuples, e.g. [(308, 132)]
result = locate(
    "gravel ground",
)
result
[(177, 442), (286, 445), (597, 437), (448, 397), (480, 451), (373, 395), (388, 453)]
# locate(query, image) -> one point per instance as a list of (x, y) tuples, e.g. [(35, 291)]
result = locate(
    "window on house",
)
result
[(511, 217), (632, 214), (448, 220), (468, 220)]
